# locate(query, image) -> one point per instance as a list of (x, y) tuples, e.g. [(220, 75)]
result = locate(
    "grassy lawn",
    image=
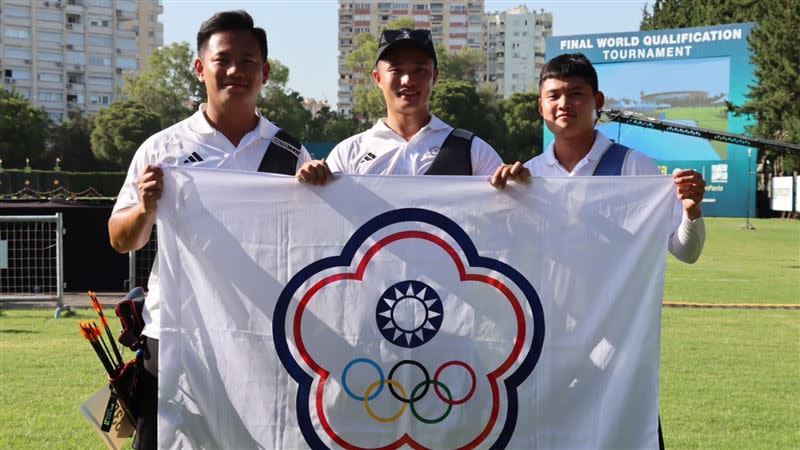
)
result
[(730, 378), (46, 371), (740, 266)]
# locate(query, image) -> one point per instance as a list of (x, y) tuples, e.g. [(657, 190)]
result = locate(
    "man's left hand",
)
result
[(690, 189)]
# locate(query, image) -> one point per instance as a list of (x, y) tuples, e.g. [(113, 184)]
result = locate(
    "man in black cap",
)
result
[(409, 140)]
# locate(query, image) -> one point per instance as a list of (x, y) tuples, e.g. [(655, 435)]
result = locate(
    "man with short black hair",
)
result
[(409, 140), (227, 132), (569, 103)]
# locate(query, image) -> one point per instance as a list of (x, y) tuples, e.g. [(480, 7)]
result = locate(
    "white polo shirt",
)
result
[(382, 151), (686, 243), (192, 142), (547, 165)]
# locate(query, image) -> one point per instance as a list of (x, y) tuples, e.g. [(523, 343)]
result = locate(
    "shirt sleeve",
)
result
[(336, 161), (129, 193), (687, 242), (485, 159), (302, 158)]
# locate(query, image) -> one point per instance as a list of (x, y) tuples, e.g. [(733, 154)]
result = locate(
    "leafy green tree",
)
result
[(282, 105), (460, 105), (331, 126), (467, 64), (169, 87), (23, 130), (71, 142), (773, 100), (368, 103), (120, 129), (523, 127)]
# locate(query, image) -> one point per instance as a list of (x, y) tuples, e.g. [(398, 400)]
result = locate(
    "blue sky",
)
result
[(302, 34)]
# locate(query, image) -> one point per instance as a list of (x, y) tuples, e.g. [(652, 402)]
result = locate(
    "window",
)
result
[(100, 41), (17, 33), (17, 52), (18, 74), (99, 99), (74, 19), (126, 63), (127, 5), (48, 15), (17, 11), (50, 96), (75, 77), (101, 80), (74, 39), (102, 23), (49, 36), (50, 76), (77, 58), (75, 98), (95, 60), (50, 56), (127, 44)]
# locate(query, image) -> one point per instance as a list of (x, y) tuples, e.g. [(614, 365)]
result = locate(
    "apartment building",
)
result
[(72, 55), (456, 24), (514, 42)]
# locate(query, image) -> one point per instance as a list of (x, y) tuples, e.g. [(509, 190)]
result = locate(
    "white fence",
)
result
[(32, 259)]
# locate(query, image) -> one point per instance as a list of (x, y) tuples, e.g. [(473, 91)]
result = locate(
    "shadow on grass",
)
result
[(18, 332)]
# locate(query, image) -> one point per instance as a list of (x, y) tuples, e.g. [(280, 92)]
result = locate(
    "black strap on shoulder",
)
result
[(281, 155), (455, 156), (612, 161)]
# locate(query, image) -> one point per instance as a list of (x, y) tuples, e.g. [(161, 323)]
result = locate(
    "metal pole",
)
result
[(747, 225), (131, 270), (60, 232)]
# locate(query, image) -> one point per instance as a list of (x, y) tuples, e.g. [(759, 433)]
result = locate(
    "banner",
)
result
[(422, 312), (685, 76)]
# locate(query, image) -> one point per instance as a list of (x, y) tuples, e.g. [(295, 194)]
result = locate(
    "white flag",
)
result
[(410, 312)]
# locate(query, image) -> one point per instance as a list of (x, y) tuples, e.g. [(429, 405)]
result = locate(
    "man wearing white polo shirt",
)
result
[(226, 133), (409, 140)]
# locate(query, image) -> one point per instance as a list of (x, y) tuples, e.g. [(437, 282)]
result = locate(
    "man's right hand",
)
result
[(510, 172), (150, 185), (315, 172)]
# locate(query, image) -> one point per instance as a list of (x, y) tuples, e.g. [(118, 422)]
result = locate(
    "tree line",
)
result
[(169, 92)]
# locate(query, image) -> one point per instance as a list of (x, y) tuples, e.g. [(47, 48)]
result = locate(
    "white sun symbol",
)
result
[(409, 313)]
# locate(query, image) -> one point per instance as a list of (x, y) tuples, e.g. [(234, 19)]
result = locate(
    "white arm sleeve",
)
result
[(686, 243)]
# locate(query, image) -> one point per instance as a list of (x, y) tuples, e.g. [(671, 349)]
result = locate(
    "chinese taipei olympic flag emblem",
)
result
[(432, 339)]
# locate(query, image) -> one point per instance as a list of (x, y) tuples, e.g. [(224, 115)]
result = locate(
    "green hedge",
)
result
[(107, 184)]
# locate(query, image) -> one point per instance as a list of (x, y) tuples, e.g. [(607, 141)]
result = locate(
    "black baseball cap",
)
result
[(406, 37)]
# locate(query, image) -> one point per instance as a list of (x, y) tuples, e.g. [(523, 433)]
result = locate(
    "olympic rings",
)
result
[(435, 384), (424, 371), (417, 393), (372, 414), (371, 363), (470, 393)]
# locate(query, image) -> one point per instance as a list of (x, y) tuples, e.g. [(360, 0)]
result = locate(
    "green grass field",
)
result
[(741, 266), (730, 378), (713, 117)]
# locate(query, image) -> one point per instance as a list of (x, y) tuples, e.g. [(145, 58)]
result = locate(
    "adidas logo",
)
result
[(194, 157), (368, 157)]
